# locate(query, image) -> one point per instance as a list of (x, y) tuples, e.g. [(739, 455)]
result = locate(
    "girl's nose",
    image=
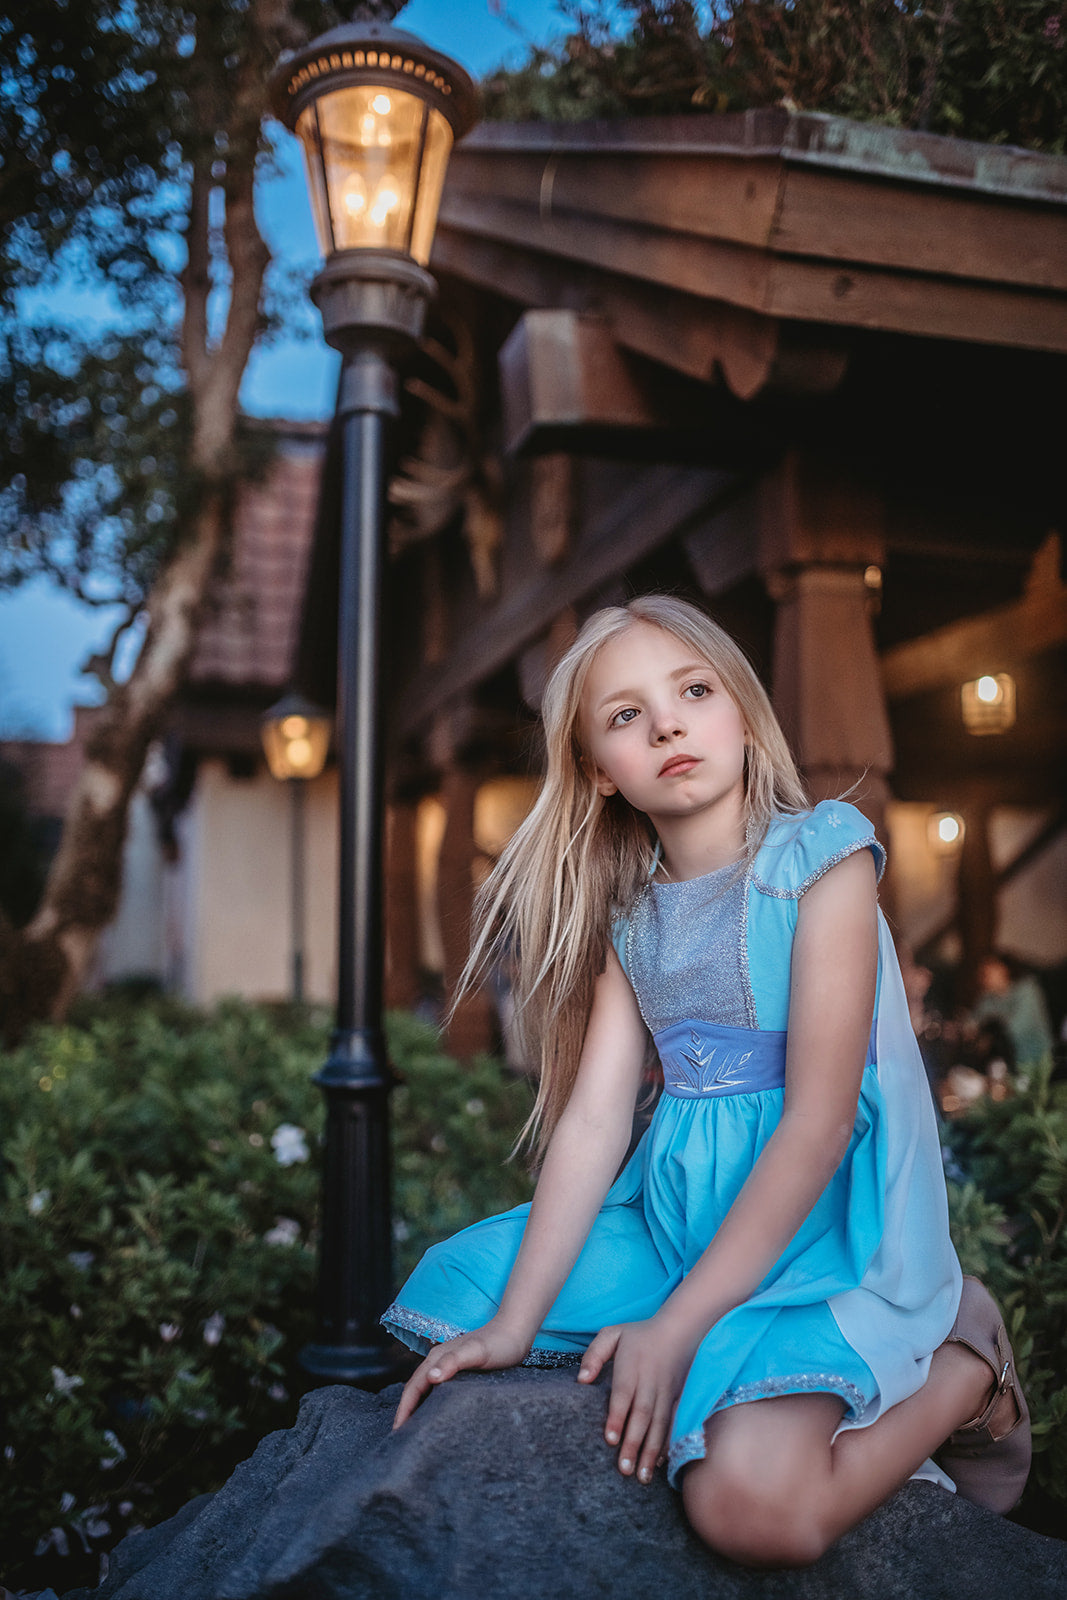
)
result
[(667, 725)]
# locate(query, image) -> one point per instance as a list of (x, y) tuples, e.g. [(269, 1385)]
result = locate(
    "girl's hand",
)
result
[(485, 1349), (651, 1359)]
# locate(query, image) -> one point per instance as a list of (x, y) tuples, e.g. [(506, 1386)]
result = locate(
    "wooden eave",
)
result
[(705, 240)]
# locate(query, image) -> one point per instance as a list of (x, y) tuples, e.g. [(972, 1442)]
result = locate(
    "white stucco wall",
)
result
[(134, 945), (235, 887)]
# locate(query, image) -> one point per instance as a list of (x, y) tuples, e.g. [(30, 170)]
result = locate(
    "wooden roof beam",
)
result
[(663, 503), (992, 642)]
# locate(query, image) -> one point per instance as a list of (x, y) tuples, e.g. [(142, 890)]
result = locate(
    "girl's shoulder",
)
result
[(799, 847)]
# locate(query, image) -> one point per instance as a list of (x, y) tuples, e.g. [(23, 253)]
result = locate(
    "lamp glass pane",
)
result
[(307, 130), (370, 149), (434, 165)]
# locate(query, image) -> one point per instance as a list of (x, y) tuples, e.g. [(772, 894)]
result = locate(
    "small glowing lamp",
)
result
[(296, 738), (945, 831), (988, 703)]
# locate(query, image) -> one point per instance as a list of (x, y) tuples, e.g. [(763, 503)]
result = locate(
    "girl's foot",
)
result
[(988, 1458)]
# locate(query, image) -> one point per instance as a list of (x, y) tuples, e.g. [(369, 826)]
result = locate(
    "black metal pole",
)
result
[(355, 1278), (296, 845)]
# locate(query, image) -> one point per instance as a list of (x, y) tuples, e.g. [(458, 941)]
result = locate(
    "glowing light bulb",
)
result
[(385, 201), (948, 829), (368, 128), (354, 195), (382, 104), (988, 689), (294, 728), (299, 753)]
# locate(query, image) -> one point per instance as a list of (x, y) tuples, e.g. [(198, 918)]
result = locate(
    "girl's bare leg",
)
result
[(774, 1491)]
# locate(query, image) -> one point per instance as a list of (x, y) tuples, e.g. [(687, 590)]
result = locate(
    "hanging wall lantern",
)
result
[(988, 703)]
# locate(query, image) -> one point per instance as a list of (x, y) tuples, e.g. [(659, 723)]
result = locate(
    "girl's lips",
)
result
[(677, 764)]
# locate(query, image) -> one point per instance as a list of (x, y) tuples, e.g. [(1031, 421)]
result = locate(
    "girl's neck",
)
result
[(691, 847)]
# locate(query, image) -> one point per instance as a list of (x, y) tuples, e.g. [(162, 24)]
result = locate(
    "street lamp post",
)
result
[(377, 112), (296, 740)]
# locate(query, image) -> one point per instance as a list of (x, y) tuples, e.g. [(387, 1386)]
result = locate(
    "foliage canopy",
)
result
[(992, 70)]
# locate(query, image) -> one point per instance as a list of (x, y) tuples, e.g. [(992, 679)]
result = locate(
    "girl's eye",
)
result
[(697, 691), (627, 714)]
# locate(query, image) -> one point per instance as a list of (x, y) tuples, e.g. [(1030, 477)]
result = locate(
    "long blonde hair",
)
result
[(581, 858)]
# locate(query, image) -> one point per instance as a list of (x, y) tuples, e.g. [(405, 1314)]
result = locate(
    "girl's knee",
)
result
[(751, 1520)]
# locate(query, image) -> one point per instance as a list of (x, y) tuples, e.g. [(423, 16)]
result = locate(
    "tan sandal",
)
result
[(988, 1459)]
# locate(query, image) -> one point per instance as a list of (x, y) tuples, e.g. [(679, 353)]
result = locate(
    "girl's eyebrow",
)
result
[(635, 694)]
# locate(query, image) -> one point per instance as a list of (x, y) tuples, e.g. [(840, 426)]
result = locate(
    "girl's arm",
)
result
[(584, 1154), (832, 986)]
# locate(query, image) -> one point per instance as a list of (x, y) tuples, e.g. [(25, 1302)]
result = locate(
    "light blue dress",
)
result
[(869, 1286)]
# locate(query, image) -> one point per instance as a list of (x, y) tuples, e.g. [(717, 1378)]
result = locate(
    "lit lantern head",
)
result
[(377, 112), (296, 738), (988, 703)]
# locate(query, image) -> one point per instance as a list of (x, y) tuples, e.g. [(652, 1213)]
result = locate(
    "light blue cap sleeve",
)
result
[(797, 850)]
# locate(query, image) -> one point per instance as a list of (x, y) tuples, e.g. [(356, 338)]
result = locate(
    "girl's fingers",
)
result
[(440, 1365), (652, 1452), (598, 1354), (638, 1430)]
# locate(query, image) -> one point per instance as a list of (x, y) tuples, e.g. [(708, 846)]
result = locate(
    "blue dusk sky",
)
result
[(44, 634)]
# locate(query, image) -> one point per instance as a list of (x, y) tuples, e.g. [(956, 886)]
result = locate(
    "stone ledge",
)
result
[(501, 1488)]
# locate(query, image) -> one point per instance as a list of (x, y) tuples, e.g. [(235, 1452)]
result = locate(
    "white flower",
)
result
[(94, 1525), (214, 1328), (38, 1201), (125, 1508), (277, 1391), (401, 1231), (9, 1453), (65, 1383), (67, 1503), (117, 1452), (475, 1107), (76, 1312), (286, 1231), (256, 1141), (438, 1144), (289, 1144), (82, 1259), (169, 1331), (54, 1536)]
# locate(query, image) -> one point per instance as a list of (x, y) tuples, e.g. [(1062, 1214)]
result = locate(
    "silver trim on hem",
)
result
[(402, 1321), (690, 1446)]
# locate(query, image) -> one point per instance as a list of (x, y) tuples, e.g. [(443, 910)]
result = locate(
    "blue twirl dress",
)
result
[(868, 1287)]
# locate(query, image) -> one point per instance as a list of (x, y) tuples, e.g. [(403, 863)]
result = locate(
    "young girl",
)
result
[(770, 1272)]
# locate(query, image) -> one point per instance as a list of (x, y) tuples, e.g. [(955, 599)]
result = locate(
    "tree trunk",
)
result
[(43, 965)]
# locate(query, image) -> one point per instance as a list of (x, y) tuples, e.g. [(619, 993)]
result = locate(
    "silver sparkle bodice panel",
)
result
[(686, 951)]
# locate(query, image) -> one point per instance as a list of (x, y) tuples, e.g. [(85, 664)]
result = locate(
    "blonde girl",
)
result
[(770, 1272)]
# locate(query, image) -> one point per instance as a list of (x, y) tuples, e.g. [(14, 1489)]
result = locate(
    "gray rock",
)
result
[(501, 1488)]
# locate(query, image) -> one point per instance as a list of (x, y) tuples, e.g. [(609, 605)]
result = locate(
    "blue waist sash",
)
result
[(702, 1060)]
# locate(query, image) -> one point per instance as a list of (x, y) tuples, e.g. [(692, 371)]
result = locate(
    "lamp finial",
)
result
[(377, 10)]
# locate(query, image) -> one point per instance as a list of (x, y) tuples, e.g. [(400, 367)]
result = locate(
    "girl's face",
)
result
[(658, 727)]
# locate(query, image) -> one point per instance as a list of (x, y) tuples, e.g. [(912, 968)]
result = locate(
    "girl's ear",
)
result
[(600, 780)]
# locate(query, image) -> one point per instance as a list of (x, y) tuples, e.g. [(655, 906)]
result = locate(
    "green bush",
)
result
[(158, 1198), (1009, 1227)]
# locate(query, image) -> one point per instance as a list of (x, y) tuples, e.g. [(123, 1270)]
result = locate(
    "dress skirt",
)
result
[(657, 1219), (855, 1305)]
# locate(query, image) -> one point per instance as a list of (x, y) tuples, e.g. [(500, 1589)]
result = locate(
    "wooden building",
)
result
[(807, 371)]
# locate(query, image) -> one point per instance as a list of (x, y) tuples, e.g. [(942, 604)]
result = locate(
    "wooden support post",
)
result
[(977, 898), (819, 534), (471, 1029)]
